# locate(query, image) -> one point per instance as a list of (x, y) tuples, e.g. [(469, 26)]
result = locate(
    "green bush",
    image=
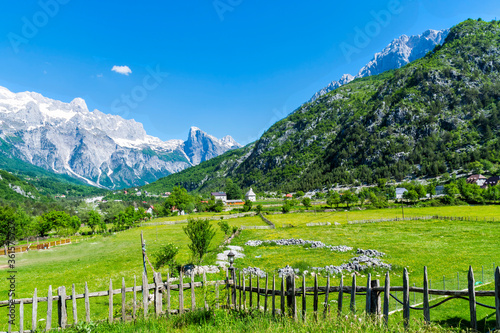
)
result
[(201, 233), (166, 257), (224, 226)]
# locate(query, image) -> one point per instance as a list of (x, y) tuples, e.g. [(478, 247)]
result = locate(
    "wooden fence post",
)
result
[(34, 312), (244, 305), (181, 293), (304, 312), (63, 316), (368, 299), (315, 300), (110, 294), (387, 291), (341, 295), (327, 292), (134, 300), (73, 300), (87, 303), (406, 299), (375, 300), (205, 290), (250, 295), (265, 299), (353, 294), (145, 294), (168, 294), (472, 300), (273, 294), (497, 297), (48, 324), (427, 311), (193, 296), (217, 294), (258, 292), (123, 299), (283, 292), (21, 316)]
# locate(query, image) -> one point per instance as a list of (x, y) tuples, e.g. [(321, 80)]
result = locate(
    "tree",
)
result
[(451, 189), (349, 197), (94, 220), (248, 206), (411, 195), (179, 198), (287, 206), (299, 194), (8, 227), (381, 182), (306, 202), (58, 220), (201, 233), (258, 209), (431, 188), (333, 199), (420, 189), (233, 191), (166, 257), (224, 226)]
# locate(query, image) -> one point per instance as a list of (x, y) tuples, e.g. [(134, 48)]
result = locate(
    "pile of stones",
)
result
[(255, 271), (287, 270), (357, 264), (370, 253)]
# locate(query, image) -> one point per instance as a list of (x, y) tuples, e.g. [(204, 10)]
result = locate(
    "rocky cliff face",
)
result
[(398, 53), (104, 150)]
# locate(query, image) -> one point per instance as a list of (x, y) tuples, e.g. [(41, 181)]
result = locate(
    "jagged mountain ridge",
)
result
[(399, 52), (101, 149), (438, 114)]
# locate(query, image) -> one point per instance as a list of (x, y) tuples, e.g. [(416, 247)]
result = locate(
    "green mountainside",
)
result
[(438, 114)]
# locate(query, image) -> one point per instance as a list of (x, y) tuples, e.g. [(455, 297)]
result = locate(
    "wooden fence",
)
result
[(430, 217), (41, 246), (288, 295)]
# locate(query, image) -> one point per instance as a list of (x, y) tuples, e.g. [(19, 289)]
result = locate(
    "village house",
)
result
[(219, 196), (250, 195), (492, 181), (400, 191), (476, 179)]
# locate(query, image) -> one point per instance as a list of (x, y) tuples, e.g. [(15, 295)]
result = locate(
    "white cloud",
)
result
[(125, 70)]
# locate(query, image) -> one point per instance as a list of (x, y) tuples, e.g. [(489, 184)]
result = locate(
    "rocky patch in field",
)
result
[(370, 253), (255, 271), (222, 260), (300, 242)]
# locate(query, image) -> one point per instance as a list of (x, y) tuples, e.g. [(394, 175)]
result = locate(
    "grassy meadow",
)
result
[(445, 247)]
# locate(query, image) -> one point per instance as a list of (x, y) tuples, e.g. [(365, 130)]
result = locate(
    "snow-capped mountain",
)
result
[(398, 53), (101, 149)]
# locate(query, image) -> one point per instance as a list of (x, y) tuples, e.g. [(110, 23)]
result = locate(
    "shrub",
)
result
[(166, 257), (224, 226)]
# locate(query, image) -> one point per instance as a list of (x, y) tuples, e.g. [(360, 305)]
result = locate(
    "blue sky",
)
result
[(226, 66)]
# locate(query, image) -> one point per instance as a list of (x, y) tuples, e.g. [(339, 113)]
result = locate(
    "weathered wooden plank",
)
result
[(21, 317), (368, 299), (63, 315), (472, 299), (315, 300), (267, 290), (217, 294), (167, 286), (340, 299), (34, 312), (427, 310), (73, 300), (205, 291), (250, 295), (244, 293), (228, 293), (110, 293), (134, 300), (353, 294), (258, 293), (304, 304), (273, 295), (327, 292), (87, 304), (406, 298), (145, 294), (376, 304), (240, 306), (387, 297), (497, 297), (123, 299), (181, 293), (282, 298), (294, 300), (193, 296), (48, 324)]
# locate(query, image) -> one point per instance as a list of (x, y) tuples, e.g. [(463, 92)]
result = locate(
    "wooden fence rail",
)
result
[(242, 291)]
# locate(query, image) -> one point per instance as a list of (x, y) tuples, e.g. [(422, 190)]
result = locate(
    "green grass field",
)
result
[(446, 247), (342, 216)]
